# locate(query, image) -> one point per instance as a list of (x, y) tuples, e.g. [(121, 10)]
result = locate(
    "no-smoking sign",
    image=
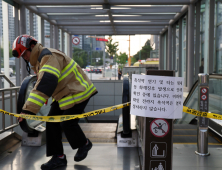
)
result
[(203, 97), (159, 127), (204, 90), (75, 40)]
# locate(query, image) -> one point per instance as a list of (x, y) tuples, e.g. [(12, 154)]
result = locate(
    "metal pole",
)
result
[(31, 29), (23, 31), (6, 41), (190, 43), (16, 102), (56, 37), (115, 66), (180, 48), (129, 60), (51, 36), (104, 60), (140, 59), (160, 52), (91, 57), (11, 117), (202, 128), (169, 47), (197, 44), (42, 32), (3, 107), (211, 37), (174, 48), (70, 47), (62, 42)]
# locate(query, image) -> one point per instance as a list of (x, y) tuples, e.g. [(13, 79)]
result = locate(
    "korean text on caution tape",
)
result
[(202, 114)]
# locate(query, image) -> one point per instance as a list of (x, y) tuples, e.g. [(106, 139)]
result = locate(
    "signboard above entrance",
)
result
[(101, 39)]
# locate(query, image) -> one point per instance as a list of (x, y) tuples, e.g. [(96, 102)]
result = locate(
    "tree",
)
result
[(121, 59), (80, 56), (83, 58), (111, 47), (145, 52)]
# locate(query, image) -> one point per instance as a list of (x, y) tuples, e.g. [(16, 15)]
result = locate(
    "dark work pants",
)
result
[(119, 76), (71, 128)]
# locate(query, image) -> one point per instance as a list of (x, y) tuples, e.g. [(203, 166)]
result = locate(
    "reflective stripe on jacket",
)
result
[(59, 77)]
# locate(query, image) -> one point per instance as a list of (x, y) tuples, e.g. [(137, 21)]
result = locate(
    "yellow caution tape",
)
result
[(202, 114), (67, 117), (101, 111)]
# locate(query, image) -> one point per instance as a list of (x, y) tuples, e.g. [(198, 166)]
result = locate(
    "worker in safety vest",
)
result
[(61, 78)]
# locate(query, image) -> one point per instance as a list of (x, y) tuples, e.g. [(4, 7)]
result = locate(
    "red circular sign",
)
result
[(75, 40), (159, 127), (204, 97), (204, 90)]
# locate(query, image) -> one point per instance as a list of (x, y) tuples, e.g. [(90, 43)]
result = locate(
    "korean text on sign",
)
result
[(157, 96)]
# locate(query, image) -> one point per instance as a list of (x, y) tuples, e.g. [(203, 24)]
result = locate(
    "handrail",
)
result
[(9, 81), (2, 91)]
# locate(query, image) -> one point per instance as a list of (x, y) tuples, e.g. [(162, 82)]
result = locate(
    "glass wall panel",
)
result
[(202, 36), (47, 33), (60, 47), (218, 37), (11, 35), (1, 36), (35, 26), (27, 21)]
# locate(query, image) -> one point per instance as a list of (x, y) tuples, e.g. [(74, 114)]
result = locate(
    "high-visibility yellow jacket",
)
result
[(59, 77)]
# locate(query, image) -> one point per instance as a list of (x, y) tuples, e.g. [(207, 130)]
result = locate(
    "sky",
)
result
[(136, 43)]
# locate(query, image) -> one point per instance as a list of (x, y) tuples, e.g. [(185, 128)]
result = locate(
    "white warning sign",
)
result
[(157, 96), (159, 127)]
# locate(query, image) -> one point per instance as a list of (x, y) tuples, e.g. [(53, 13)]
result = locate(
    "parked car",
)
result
[(97, 71), (87, 70), (10, 71)]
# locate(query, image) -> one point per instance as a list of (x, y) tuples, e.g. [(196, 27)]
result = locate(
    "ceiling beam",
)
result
[(109, 24), (112, 2), (111, 33), (117, 30), (111, 19), (69, 10), (77, 17), (109, 27), (92, 17), (133, 20), (151, 9)]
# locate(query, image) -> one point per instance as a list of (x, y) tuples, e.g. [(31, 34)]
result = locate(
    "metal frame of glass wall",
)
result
[(191, 42)]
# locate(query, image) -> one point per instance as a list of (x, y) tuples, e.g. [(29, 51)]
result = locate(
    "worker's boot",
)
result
[(54, 162), (83, 151)]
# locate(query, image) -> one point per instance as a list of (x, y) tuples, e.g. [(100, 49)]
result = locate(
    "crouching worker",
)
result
[(61, 78)]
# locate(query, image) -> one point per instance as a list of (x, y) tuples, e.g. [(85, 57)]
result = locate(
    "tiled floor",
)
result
[(109, 157), (100, 157)]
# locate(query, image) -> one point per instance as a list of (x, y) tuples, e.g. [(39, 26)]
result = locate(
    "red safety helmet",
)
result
[(21, 44)]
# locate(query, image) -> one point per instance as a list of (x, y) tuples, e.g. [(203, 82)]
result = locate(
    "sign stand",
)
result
[(158, 137), (203, 123)]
